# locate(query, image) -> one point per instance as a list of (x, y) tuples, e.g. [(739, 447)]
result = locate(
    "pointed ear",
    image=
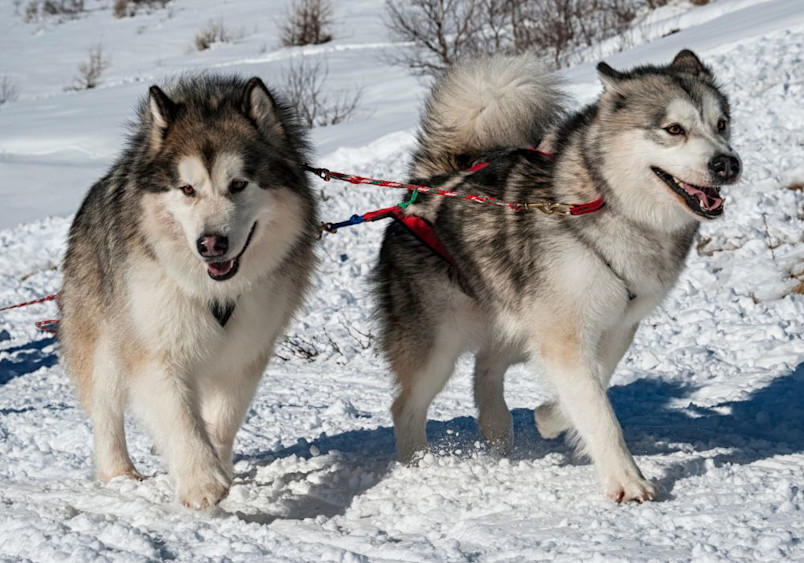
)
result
[(610, 78), (688, 62), (163, 109), (260, 106)]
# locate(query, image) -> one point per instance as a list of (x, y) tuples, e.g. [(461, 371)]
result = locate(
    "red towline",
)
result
[(48, 325)]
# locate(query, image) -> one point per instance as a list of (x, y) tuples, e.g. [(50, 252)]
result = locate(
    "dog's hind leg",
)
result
[(495, 421), (551, 421), (106, 405), (420, 375)]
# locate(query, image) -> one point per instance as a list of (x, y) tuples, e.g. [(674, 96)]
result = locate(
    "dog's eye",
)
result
[(188, 190), (675, 129), (722, 124), (237, 186)]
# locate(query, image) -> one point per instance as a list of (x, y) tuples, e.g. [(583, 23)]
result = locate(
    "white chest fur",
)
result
[(183, 328)]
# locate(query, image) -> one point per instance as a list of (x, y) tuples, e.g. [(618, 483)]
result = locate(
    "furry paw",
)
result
[(550, 421), (631, 488), (204, 491), (127, 471), (134, 475), (498, 432)]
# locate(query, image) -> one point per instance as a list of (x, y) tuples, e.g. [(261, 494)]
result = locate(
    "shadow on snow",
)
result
[(26, 358), (769, 422)]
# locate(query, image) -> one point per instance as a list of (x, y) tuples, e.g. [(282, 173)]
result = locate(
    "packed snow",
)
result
[(711, 394)]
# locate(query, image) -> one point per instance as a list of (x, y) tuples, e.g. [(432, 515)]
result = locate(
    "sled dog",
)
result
[(565, 293), (184, 264)]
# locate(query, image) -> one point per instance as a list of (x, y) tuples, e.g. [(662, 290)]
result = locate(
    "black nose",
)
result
[(725, 166), (210, 246)]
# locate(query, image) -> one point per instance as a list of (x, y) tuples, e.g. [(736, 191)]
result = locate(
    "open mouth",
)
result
[(222, 271), (702, 200)]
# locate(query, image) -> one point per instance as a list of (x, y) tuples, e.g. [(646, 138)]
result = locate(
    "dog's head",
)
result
[(223, 177), (664, 137)]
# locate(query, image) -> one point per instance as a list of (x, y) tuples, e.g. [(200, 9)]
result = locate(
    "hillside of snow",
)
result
[(710, 396)]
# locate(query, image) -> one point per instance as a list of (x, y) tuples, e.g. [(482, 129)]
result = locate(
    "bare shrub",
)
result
[(8, 90), (215, 32), (304, 86), (60, 9), (89, 72), (129, 8), (443, 31), (298, 347), (561, 26), (307, 22)]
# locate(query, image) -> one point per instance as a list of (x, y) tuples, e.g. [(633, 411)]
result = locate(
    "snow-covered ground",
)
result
[(711, 395)]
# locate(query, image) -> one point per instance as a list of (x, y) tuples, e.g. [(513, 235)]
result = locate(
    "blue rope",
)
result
[(353, 220)]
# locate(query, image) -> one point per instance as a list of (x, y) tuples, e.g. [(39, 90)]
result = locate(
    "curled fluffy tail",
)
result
[(482, 104)]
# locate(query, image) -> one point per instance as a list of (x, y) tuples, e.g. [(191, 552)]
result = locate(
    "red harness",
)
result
[(421, 228)]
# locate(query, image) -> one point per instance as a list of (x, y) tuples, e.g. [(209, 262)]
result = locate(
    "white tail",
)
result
[(481, 104)]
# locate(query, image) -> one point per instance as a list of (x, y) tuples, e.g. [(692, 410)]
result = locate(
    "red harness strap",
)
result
[(585, 208), (418, 227), (423, 229)]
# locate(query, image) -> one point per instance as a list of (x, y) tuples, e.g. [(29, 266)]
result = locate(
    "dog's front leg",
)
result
[(226, 401), (551, 421), (168, 403), (572, 363)]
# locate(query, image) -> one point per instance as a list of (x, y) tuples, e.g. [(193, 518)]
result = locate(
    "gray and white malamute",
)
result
[(185, 263), (566, 293)]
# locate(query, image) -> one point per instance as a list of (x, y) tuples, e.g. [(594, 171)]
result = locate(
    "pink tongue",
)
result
[(707, 202), (220, 268)]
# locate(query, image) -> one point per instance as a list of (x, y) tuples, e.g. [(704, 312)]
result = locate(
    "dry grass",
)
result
[(307, 22), (215, 32), (129, 8), (90, 71), (59, 9), (8, 90)]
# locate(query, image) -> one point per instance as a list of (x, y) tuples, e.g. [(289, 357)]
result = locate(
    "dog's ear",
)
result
[(688, 62), (163, 109), (260, 106), (610, 78)]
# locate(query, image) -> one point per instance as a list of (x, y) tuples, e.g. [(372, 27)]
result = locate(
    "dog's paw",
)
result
[(204, 491), (126, 471), (630, 489), (203, 495), (134, 475), (550, 421)]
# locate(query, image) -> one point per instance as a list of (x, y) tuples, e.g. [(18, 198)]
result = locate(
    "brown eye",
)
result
[(188, 190), (721, 125), (237, 186), (675, 129)]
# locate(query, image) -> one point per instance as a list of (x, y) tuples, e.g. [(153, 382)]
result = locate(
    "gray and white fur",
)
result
[(565, 294), (184, 264)]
